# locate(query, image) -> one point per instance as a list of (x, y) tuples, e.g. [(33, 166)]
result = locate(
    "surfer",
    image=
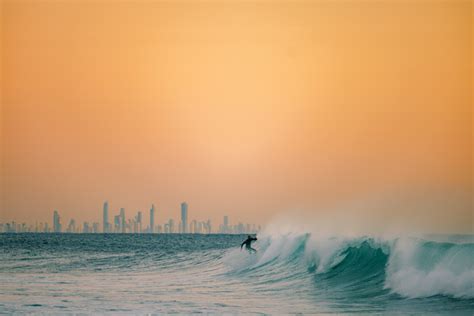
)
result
[(248, 244)]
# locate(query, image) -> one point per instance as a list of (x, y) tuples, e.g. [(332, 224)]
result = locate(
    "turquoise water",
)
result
[(292, 273)]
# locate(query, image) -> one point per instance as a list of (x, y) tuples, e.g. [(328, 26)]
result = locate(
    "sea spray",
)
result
[(410, 267), (420, 268)]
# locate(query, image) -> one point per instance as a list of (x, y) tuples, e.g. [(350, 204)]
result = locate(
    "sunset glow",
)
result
[(248, 109)]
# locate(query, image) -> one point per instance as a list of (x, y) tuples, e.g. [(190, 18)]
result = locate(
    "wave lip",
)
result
[(365, 266)]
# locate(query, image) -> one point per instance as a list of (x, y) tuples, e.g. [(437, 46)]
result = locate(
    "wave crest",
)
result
[(364, 266)]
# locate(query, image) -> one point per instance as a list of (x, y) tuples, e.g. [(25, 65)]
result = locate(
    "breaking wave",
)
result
[(362, 267), (291, 273)]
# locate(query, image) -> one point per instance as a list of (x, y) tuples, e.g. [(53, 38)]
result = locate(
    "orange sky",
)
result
[(240, 108)]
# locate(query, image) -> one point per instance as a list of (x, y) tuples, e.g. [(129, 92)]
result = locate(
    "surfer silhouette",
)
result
[(248, 244)]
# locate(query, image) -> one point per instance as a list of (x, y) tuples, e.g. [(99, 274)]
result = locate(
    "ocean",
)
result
[(290, 273)]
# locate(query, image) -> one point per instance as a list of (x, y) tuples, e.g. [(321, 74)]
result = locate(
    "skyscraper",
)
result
[(171, 226), (193, 228), (106, 217), (184, 217), (152, 219), (122, 219), (225, 226), (95, 228), (72, 226), (56, 222), (208, 226), (139, 222), (116, 223), (85, 228)]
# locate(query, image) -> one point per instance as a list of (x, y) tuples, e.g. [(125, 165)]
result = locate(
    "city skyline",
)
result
[(250, 109), (133, 224)]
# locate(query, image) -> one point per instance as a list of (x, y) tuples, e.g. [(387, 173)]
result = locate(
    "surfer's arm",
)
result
[(242, 245)]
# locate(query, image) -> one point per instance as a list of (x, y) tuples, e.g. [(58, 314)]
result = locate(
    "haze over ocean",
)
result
[(246, 109)]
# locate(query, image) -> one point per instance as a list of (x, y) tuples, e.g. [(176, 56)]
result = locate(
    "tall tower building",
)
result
[(116, 223), (56, 222), (106, 217), (122, 219), (139, 222), (226, 225), (85, 228), (152, 219), (72, 226), (171, 226), (209, 226), (184, 217)]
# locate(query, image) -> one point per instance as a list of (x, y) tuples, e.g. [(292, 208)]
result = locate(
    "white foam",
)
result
[(415, 268), (451, 275)]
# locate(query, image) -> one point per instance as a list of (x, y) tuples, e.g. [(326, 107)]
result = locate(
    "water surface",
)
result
[(292, 273)]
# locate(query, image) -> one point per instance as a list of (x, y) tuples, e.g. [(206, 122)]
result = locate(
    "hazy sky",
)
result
[(242, 108)]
